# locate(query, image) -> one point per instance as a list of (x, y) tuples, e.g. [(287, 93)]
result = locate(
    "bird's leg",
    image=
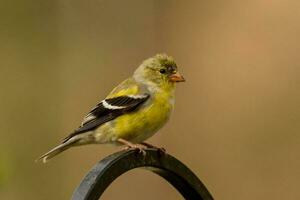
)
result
[(130, 145), (161, 149)]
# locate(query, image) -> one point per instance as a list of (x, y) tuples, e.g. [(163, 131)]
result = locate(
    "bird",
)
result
[(132, 112)]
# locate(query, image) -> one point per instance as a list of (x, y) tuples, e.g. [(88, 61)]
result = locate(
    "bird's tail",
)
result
[(57, 150)]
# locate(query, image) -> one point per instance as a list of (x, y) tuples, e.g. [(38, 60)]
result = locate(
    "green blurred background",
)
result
[(237, 118)]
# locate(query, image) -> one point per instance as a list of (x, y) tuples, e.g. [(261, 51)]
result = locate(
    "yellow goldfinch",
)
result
[(132, 112)]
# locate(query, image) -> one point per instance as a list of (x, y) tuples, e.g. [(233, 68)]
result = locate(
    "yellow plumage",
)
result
[(139, 126), (133, 111)]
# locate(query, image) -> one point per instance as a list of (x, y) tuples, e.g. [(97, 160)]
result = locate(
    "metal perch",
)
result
[(165, 165)]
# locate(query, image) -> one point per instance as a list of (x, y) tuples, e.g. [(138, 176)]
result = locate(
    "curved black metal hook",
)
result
[(168, 167)]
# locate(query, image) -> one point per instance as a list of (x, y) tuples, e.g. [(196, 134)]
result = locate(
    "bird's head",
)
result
[(159, 70)]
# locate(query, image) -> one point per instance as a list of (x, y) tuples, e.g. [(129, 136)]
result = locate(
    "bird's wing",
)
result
[(107, 110)]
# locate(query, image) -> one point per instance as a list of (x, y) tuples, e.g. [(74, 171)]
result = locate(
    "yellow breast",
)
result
[(143, 123)]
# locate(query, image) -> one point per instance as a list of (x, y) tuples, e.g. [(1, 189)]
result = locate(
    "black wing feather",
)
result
[(101, 114)]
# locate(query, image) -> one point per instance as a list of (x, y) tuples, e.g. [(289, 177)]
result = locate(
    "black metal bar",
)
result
[(168, 167)]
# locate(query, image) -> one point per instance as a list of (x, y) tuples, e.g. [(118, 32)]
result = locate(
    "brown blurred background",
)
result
[(237, 118)]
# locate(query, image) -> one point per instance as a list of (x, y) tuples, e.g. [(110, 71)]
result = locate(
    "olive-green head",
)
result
[(159, 69)]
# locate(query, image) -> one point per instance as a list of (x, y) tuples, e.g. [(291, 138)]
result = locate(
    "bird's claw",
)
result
[(162, 150), (159, 149), (141, 148)]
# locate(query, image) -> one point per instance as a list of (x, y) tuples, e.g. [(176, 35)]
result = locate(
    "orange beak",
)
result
[(176, 77)]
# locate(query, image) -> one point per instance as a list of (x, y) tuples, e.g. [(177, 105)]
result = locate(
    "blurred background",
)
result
[(237, 118)]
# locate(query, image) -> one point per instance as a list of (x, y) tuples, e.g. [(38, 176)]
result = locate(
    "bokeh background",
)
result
[(237, 118)]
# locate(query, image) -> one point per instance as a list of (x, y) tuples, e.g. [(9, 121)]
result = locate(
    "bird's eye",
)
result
[(162, 71)]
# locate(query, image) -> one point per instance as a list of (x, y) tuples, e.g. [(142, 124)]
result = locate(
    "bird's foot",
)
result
[(130, 146), (141, 148), (160, 149)]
